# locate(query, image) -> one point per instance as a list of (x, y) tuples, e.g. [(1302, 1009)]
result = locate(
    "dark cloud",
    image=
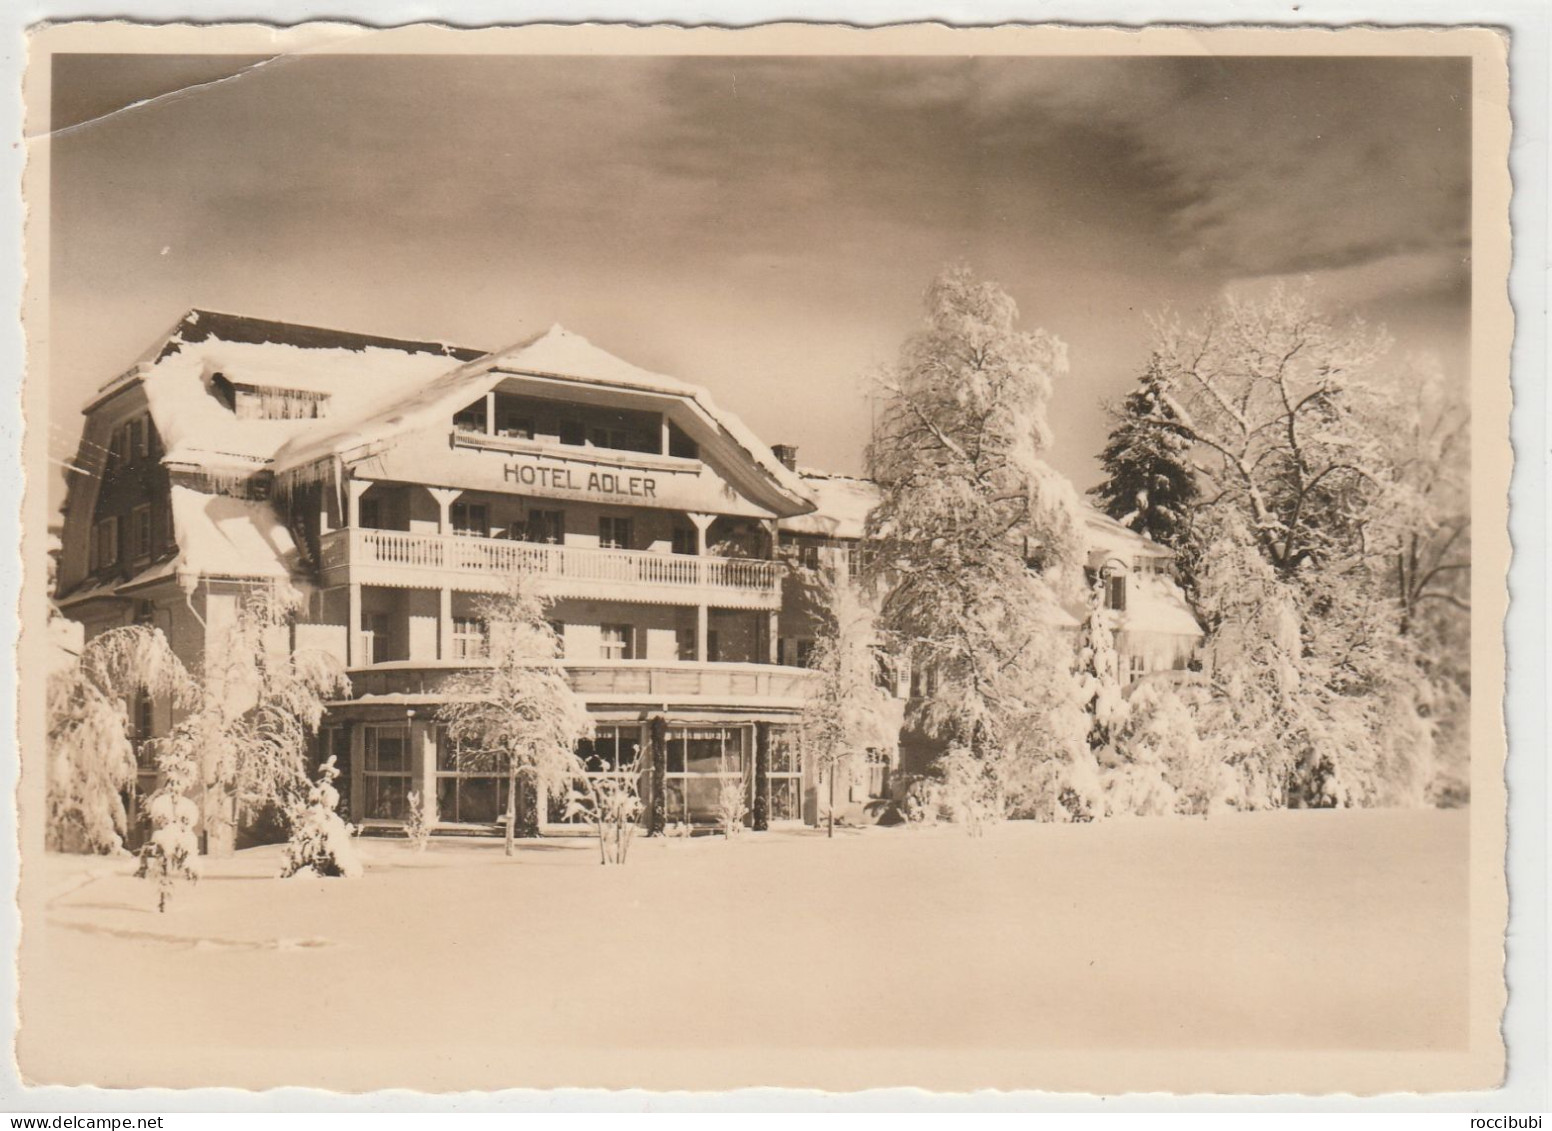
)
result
[(750, 223)]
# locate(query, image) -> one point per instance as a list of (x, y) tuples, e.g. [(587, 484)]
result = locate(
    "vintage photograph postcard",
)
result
[(643, 557)]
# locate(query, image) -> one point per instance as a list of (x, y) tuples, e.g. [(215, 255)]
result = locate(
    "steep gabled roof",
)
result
[(556, 355), (206, 325), (354, 370)]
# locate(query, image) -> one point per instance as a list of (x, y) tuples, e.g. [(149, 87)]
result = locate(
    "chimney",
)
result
[(788, 454)]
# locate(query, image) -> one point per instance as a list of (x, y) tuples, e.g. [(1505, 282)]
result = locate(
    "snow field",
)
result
[(460, 968)]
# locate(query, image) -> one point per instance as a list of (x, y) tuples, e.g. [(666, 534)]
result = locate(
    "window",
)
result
[(786, 774), (713, 650), (546, 526), (514, 425), (472, 418), (470, 791), (621, 439), (142, 731), (140, 532), (685, 541), (611, 750), (614, 533), (471, 640), (334, 742), (471, 519), (105, 543), (572, 432), (375, 637), (615, 641), (264, 402), (808, 555), (135, 438), (700, 760), (1115, 591), (370, 513), (878, 773), (681, 445), (684, 643), (1136, 666), (386, 770), (794, 652)]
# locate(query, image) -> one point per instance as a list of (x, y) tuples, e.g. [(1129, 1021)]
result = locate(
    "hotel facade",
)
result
[(395, 484)]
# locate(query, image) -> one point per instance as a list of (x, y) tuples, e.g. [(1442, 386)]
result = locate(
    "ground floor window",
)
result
[(470, 791), (786, 772), (701, 760), (386, 772), (878, 773), (610, 749), (334, 742)]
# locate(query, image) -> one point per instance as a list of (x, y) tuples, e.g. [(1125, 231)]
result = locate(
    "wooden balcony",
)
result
[(627, 682), (413, 560)]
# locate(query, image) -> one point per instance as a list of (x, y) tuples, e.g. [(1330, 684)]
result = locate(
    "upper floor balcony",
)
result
[(400, 558)]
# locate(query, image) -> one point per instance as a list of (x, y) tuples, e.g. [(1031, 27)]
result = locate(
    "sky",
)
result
[(761, 226)]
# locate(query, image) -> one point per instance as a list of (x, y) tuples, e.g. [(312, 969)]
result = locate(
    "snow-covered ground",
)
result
[(461, 968)]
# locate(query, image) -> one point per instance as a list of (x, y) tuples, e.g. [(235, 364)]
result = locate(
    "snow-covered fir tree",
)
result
[(1150, 483), (91, 758), (321, 843), (517, 714), (975, 533)]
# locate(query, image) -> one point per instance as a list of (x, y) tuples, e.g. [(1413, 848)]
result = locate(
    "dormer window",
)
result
[(268, 402)]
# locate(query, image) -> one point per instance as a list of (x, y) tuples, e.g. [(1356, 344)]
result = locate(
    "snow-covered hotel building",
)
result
[(394, 483)]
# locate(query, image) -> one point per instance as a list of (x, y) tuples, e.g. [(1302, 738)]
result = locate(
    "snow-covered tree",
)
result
[(1312, 463), (517, 714), (260, 704), (609, 798), (417, 819), (846, 710), (1262, 391), (1099, 671), (172, 852), (1150, 482), (321, 842), (91, 759), (1251, 656), (975, 533)]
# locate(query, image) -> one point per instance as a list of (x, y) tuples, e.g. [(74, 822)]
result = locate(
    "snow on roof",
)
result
[(1154, 603), (843, 505), (223, 536), (555, 353), (355, 370), (1105, 535)]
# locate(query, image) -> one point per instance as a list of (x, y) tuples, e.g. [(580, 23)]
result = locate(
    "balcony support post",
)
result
[(490, 413), (444, 497), (702, 614), (353, 656), (773, 627), (445, 624), (358, 487)]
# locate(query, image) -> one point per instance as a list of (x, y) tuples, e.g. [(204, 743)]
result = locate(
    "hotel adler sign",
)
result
[(549, 477)]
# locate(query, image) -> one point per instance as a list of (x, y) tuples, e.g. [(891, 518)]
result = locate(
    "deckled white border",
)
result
[(1525, 1026)]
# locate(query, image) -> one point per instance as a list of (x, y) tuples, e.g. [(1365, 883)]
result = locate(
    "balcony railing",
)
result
[(472, 556)]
